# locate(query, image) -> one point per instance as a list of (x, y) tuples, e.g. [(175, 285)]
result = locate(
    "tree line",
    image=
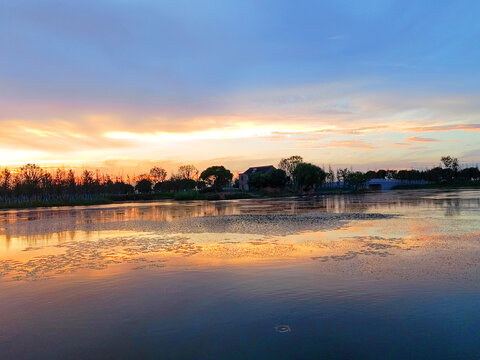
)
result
[(296, 174), (31, 182)]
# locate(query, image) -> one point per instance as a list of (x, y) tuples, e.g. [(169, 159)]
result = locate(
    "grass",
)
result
[(111, 199), (55, 203), (210, 196)]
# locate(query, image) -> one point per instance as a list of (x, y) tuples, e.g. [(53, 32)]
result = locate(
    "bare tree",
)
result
[(289, 164), (450, 163), (158, 174), (188, 172)]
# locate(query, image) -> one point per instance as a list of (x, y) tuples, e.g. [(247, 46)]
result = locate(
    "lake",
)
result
[(390, 275)]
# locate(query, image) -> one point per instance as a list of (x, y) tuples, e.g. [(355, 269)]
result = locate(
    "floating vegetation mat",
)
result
[(265, 224), (97, 255)]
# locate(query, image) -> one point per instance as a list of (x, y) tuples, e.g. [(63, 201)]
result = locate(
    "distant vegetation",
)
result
[(32, 185), (296, 175)]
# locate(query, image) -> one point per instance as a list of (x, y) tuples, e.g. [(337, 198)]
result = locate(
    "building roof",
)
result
[(259, 169)]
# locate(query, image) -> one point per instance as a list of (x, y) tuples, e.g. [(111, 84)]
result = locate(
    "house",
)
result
[(243, 178)]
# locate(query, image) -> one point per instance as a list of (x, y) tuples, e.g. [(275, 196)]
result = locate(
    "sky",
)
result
[(124, 85)]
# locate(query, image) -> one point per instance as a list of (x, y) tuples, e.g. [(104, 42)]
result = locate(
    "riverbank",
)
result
[(436, 186), (213, 196), (55, 203), (112, 199), (178, 196)]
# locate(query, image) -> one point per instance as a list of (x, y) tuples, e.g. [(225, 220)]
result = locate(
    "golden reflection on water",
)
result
[(39, 244), (115, 251)]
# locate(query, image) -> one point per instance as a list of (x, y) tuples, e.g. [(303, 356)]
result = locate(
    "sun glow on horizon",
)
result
[(350, 91)]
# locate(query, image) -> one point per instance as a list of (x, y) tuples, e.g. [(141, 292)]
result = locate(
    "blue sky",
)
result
[(86, 82)]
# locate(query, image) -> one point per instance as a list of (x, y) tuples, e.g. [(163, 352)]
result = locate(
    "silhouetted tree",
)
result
[(434, 175), (342, 174), (144, 186), (330, 175), (5, 182), (274, 179), (408, 175), (381, 174), (371, 174), (469, 174), (450, 163), (216, 177), (308, 176), (187, 172), (289, 164), (355, 180), (158, 174)]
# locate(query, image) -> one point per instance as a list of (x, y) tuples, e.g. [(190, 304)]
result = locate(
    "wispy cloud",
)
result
[(446, 127), (54, 136), (351, 144), (420, 139), (347, 144)]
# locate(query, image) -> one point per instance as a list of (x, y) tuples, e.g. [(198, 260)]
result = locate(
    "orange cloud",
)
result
[(420, 139), (355, 144), (355, 131), (349, 144), (54, 136), (439, 128)]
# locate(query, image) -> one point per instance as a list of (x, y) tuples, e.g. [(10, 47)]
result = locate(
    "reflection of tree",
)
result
[(452, 207)]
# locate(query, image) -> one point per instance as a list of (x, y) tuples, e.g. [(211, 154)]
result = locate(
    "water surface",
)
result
[(392, 275)]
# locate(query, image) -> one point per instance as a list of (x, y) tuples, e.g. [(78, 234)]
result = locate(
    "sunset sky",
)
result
[(123, 85)]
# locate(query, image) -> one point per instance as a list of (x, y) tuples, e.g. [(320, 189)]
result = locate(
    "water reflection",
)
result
[(70, 256), (41, 243), (391, 275)]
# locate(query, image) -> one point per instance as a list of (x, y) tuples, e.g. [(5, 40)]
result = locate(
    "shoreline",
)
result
[(191, 196)]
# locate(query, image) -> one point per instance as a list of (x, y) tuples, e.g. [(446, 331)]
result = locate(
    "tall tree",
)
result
[(308, 176), (355, 180), (450, 163), (188, 172), (6, 179), (158, 174), (330, 175), (144, 186), (289, 164), (216, 177)]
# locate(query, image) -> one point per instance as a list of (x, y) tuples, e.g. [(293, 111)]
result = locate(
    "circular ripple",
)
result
[(282, 328)]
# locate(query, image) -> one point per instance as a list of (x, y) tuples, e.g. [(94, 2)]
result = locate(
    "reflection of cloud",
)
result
[(420, 139)]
